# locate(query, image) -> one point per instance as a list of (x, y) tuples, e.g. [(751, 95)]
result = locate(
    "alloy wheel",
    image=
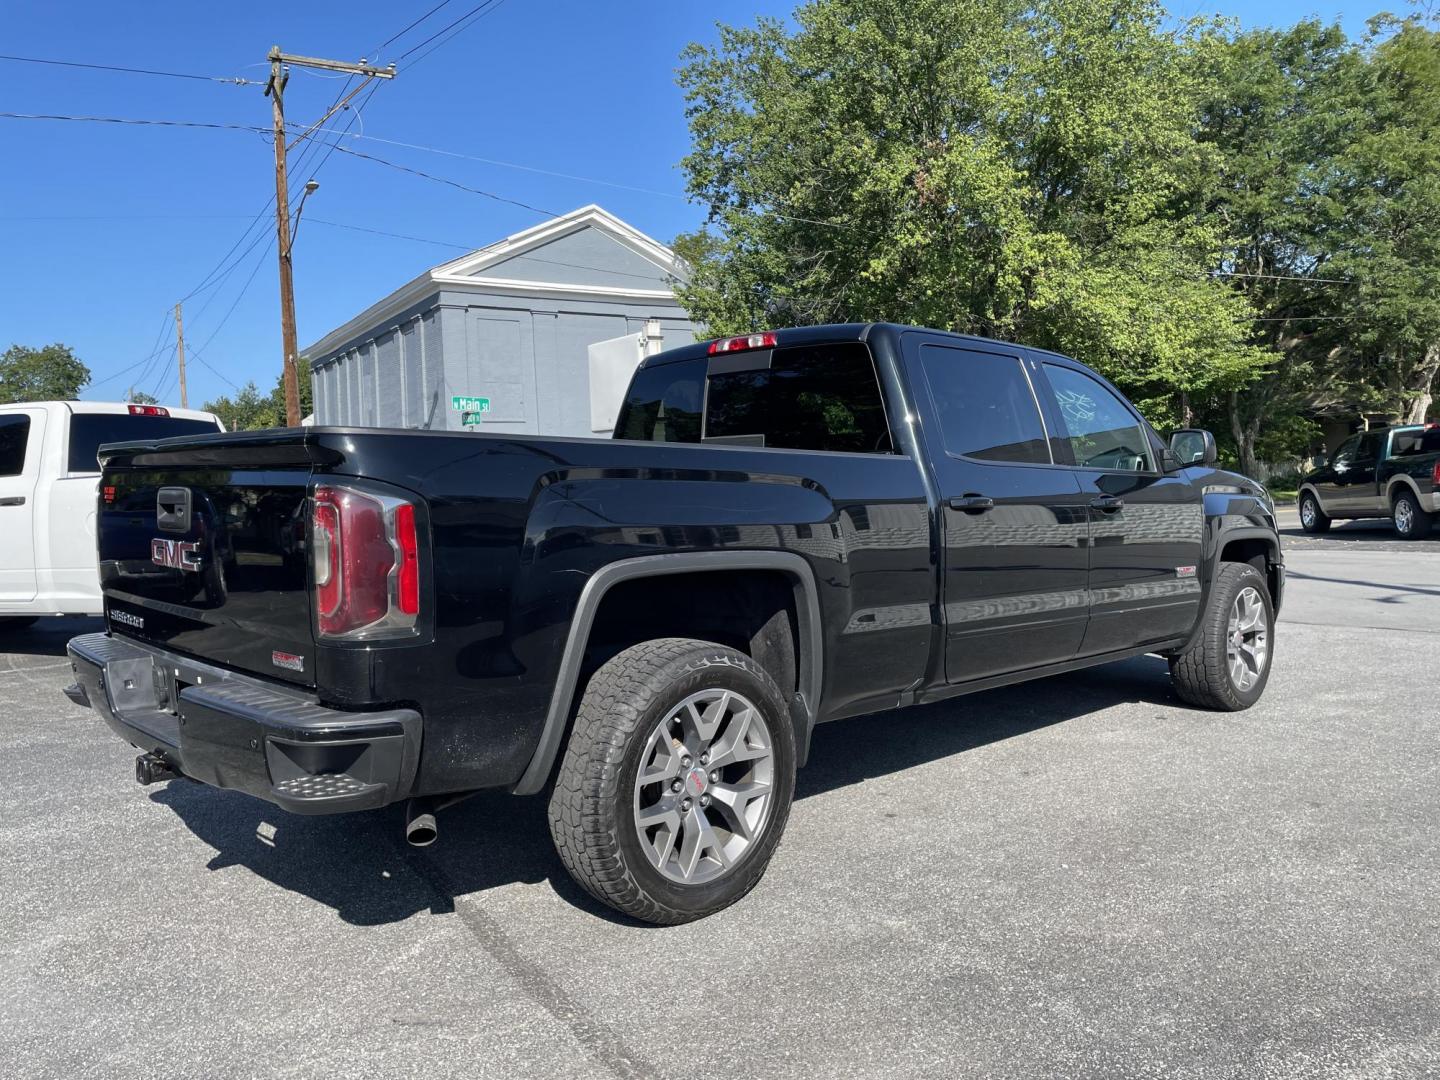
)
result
[(703, 788), (1404, 517), (1247, 643), (1307, 512)]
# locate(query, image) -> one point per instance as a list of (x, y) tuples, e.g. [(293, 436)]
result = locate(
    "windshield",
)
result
[(90, 431)]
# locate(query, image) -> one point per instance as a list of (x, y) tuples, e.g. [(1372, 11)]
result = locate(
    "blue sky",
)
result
[(104, 226)]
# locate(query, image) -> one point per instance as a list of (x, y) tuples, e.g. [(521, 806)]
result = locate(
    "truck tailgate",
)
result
[(202, 546)]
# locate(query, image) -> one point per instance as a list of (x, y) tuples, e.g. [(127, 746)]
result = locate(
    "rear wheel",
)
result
[(677, 781), (1228, 664), (1312, 518), (1411, 522)]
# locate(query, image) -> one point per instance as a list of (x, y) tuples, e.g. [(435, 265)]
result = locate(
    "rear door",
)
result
[(1350, 488), (1146, 527), (1013, 521), (22, 438), (204, 552)]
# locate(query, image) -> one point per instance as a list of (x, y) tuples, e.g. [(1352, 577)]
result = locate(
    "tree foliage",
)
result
[(1020, 170), (1244, 227), (52, 373), (250, 410)]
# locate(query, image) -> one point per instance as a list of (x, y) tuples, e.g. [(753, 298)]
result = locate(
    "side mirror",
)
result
[(1320, 460), (1194, 446)]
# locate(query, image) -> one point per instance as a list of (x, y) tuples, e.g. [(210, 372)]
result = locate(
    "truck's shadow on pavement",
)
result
[(47, 636), (359, 864)]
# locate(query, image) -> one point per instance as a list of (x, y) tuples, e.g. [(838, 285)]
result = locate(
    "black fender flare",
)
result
[(809, 659), (1276, 557)]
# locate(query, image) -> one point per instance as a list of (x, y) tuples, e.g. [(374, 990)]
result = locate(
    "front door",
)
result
[(1146, 527), (1013, 521), (22, 434)]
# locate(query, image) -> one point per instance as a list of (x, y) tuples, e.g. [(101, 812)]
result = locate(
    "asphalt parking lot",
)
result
[(1076, 878)]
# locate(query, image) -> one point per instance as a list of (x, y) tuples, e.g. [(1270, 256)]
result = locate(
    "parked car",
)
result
[(1393, 472), (788, 528), (48, 487)]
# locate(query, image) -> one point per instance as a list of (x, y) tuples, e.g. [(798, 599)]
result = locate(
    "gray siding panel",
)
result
[(388, 399), (528, 351)]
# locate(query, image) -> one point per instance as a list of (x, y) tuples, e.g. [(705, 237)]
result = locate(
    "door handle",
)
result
[(13, 500), (972, 504), (1107, 504)]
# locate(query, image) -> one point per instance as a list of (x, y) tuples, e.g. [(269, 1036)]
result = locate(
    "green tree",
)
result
[(49, 374), (250, 410), (139, 397), (1391, 241), (1279, 109), (1022, 170)]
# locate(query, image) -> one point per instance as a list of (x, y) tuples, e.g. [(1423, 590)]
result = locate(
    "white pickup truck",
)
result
[(48, 477)]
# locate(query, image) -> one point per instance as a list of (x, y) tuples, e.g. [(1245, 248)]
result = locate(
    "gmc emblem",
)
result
[(176, 554)]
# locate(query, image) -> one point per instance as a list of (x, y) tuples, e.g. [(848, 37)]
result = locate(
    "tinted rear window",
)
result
[(14, 434), (811, 397), (985, 405), (814, 397), (663, 403), (89, 431), (1416, 441)]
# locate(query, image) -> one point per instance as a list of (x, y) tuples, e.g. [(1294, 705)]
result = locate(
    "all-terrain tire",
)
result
[(593, 805), (1312, 518), (1412, 522), (1201, 672)]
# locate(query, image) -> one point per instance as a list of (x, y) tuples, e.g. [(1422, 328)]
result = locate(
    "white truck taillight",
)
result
[(365, 555)]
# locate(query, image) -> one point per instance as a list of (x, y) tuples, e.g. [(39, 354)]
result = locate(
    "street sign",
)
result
[(470, 419), (469, 404)]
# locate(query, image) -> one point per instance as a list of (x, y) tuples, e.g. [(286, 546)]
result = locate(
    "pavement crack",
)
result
[(607, 1047)]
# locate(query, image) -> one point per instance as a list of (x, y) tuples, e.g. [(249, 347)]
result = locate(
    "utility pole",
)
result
[(275, 89), (180, 355)]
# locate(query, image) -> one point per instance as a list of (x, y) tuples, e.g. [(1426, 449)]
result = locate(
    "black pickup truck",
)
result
[(787, 528), (1393, 472)]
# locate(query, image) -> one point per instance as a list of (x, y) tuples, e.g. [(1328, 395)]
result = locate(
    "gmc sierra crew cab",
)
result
[(1393, 472), (787, 528)]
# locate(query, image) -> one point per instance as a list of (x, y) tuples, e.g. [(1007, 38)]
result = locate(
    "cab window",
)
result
[(1102, 432), (14, 435)]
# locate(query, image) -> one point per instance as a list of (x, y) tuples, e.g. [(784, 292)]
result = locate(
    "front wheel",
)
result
[(1227, 665), (1411, 522), (677, 781), (1312, 518)]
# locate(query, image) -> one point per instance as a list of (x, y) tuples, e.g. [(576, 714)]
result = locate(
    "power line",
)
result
[(1282, 277), (142, 123), (516, 165), (131, 71), (384, 44), (155, 348), (444, 180), (478, 9), (393, 236)]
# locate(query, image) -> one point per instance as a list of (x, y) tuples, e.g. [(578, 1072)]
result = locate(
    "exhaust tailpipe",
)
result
[(421, 829)]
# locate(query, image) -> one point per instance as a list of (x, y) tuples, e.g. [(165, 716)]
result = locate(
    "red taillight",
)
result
[(366, 559), (1435, 476), (148, 410), (742, 343), (407, 582)]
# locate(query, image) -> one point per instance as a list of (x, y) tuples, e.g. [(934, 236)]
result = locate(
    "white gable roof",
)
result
[(468, 273)]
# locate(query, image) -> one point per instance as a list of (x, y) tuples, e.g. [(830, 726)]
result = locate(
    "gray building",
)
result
[(543, 327)]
